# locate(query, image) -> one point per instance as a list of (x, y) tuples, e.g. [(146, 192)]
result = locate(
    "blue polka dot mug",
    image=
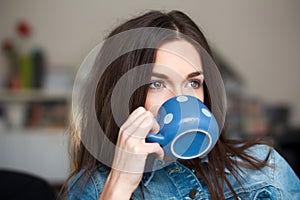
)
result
[(187, 128)]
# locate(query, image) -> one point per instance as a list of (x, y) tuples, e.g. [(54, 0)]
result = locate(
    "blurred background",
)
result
[(257, 48)]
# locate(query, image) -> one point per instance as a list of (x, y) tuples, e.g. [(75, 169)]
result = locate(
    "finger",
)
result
[(132, 117), (155, 127), (141, 126), (155, 148), (130, 160)]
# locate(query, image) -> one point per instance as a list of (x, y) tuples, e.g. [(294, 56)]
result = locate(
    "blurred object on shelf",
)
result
[(23, 29), (13, 80), (234, 117), (51, 114), (255, 120), (35, 109), (279, 117), (35, 115), (16, 114), (58, 80), (26, 64), (26, 70), (39, 65)]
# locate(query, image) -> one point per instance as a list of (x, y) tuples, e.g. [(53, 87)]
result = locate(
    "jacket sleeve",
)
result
[(285, 178)]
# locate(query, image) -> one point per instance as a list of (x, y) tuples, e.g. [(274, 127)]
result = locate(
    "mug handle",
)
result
[(158, 138)]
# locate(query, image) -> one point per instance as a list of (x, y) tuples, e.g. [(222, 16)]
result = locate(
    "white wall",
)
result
[(41, 153), (259, 38)]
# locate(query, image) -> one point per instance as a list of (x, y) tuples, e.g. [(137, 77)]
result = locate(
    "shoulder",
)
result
[(260, 151), (276, 162), (88, 184), (278, 174)]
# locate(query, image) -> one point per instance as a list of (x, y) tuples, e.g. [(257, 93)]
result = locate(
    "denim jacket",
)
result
[(176, 181)]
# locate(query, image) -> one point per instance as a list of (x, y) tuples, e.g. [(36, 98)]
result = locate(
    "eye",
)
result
[(195, 84), (156, 85)]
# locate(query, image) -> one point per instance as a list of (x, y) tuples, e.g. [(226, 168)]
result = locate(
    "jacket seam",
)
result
[(97, 193)]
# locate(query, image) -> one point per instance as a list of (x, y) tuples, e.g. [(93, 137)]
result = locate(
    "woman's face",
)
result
[(177, 71)]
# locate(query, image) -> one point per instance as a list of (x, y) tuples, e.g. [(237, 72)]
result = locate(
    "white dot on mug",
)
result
[(168, 118), (182, 98), (206, 112)]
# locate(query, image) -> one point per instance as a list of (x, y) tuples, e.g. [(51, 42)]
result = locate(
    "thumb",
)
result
[(155, 148)]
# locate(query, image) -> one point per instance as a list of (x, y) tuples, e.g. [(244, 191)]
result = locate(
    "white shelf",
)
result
[(34, 95)]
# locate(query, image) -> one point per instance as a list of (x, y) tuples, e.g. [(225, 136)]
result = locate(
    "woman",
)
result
[(144, 62)]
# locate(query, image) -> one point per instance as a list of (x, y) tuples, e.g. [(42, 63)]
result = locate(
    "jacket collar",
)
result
[(160, 165)]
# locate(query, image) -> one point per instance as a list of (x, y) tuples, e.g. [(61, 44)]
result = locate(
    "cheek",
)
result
[(152, 104), (200, 95), (154, 101)]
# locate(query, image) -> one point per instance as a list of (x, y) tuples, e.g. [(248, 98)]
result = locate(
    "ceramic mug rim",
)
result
[(187, 132)]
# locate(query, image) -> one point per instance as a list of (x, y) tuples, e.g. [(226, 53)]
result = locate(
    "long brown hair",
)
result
[(213, 173)]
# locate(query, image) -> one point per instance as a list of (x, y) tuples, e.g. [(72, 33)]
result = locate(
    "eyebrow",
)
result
[(159, 75), (163, 76), (194, 74)]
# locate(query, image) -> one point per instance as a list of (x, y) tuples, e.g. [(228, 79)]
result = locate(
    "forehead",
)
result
[(178, 55)]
